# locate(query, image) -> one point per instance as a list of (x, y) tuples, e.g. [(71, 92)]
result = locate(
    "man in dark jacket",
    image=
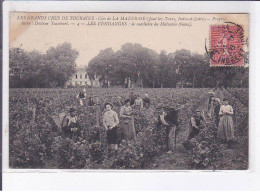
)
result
[(81, 97), (70, 125), (146, 99), (91, 101), (195, 123), (195, 127), (168, 118), (132, 98), (216, 110)]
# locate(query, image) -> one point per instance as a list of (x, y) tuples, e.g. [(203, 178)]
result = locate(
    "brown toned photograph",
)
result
[(128, 91)]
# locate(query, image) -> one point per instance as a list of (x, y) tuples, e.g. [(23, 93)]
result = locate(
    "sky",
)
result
[(89, 40)]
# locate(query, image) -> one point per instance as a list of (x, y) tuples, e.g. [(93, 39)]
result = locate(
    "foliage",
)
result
[(146, 68), (69, 154), (240, 107), (40, 144), (25, 150), (205, 149), (36, 70), (208, 152), (102, 66), (241, 94), (132, 65)]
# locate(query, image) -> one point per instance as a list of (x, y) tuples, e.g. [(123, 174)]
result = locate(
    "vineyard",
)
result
[(36, 142)]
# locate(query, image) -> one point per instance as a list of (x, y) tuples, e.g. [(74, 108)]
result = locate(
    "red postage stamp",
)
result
[(226, 45)]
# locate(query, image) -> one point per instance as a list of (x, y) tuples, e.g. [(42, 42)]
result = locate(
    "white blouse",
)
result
[(139, 102), (226, 109), (110, 119)]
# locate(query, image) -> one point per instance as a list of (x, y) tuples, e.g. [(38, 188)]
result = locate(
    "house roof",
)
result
[(80, 69)]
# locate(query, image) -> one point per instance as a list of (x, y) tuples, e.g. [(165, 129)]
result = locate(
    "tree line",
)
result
[(146, 68), (132, 65), (42, 70)]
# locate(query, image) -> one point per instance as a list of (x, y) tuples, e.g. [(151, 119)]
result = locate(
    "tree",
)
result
[(62, 62), (24, 67), (137, 63), (102, 66), (161, 68), (182, 59), (132, 62), (17, 65), (229, 76), (144, 67), (37, 70), (198, 66)]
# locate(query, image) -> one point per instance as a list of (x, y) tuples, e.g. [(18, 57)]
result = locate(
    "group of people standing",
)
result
[(124, 108), (167, 119), (82, 96), (219, 112), (126, 114), (223, 116)]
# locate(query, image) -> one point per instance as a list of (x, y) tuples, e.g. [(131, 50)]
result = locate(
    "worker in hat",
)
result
[(195, 126), (146, 99), (132, 98), (80, 97), (211, 103), (147, 112), (138, 105), (91, 101), (119, 102), (196, 123), (70, 125), (216, 110), (168, 119), (110, 122)]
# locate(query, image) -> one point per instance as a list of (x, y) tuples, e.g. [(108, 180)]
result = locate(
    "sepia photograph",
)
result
[(128, 91)]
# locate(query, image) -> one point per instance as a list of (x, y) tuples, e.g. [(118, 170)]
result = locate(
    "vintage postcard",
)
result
[(128, 91)]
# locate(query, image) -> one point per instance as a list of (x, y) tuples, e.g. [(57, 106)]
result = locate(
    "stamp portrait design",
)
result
[(128, 91)]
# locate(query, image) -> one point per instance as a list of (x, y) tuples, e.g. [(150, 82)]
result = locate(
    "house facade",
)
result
[(81, 79)]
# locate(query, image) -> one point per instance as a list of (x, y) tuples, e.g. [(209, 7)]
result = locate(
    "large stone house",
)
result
[(81, 79)]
